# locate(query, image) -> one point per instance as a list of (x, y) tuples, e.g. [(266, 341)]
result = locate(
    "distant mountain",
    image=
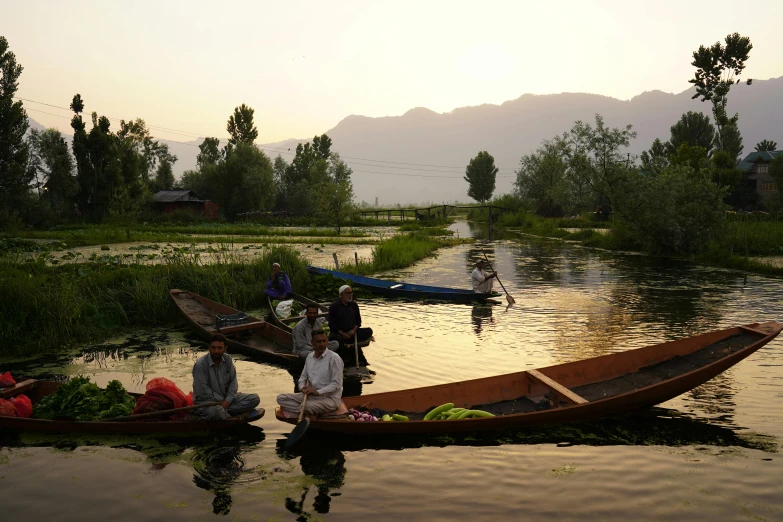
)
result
[(426, 140)]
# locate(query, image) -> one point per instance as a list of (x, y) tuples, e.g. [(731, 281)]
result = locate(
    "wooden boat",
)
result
[(563, 393), (37, 390), (257, 338), (406, 290), (288, 323)]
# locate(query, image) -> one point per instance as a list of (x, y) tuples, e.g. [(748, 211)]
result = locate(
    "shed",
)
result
[(167, 201)]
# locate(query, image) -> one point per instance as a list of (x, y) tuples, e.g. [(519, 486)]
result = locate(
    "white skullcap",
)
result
[(344, 288), (276, 264)]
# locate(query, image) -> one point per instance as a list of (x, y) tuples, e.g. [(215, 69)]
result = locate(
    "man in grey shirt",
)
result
[(321, 381), (215, 380), (303, 333)]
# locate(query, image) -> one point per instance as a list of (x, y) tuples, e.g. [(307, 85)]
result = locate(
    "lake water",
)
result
[(710, 454)]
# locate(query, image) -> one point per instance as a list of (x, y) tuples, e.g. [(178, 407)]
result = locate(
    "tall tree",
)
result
[(210, 153), (480, 174), (241, 127), (542, 179), (335, 194), (776, 171), (717, 67), (54, 170), (731, 141), (322, 145), (766, 145), (15, 177), (656, 159), (695, 129)]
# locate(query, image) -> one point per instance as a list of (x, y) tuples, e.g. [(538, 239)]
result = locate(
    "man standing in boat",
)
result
[(345, 321), (482, 281), (321, 381), (278, 286), (215, 380), (303, 333)]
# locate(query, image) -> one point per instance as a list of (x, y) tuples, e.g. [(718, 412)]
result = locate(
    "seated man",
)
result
[(482, 281), (278, 286), (215, 380), (303, 333), (321, 381), (345, 319)]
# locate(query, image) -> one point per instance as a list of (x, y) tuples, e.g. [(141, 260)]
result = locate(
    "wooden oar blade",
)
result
[(297, 433), (510, 299)]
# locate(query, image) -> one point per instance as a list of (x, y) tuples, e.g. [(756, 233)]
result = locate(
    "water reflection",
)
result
[(327, 468), (481, 315)]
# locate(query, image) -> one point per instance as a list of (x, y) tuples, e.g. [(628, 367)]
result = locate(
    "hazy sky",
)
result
[(303, 66)]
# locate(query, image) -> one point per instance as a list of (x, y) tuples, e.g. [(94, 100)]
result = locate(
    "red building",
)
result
[(167, 201)]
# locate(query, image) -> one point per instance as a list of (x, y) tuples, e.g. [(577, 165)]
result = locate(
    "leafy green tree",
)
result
[(731, 141), (766, 145), (322, 145), (308, 169), (210, 153), (480, 174), (335, 194), (243, 182), (717, 67), (693, 128), (542, 179), (692, 156), (279, 168), (15, 176), (164, 176), (776, 171), (54, 170), (656, 159), (241, 128)]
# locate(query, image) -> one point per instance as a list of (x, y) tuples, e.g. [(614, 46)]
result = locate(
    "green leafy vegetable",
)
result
[(82, 400)]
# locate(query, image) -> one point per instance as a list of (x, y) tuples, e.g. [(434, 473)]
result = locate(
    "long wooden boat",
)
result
[(406, 290), (257, 338), (37, 390), (288, 323), (563, 393)]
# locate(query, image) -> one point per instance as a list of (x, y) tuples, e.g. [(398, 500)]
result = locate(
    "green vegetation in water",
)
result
[(45, 308), (82, 400)]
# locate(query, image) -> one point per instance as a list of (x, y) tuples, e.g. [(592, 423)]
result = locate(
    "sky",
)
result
[(304, 66)]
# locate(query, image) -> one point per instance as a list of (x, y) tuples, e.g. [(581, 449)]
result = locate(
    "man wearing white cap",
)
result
[(278, 286), (345, 321), (482, 281)]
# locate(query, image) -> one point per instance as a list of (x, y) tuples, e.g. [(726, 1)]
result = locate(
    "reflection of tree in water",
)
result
[(481, 314), (327, 467)]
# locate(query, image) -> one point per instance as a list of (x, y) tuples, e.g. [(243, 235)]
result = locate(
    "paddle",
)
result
[(510, 299), (301, 426), (161, 412), (360, 372)]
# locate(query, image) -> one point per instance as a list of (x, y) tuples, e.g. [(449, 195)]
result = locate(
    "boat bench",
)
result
[(557, 390)]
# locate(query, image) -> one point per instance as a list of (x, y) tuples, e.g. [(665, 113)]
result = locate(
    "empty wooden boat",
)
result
[(37, 390), (563, 393)]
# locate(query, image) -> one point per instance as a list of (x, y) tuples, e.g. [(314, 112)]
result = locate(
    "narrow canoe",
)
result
[(37, 390), (288, 323), (562, 393), (406, 290), (257, 338)]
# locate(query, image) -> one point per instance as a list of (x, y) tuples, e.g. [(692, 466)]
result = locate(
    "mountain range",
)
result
[(420, 156)]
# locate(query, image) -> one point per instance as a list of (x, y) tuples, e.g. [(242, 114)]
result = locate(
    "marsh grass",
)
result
[(401, 251)]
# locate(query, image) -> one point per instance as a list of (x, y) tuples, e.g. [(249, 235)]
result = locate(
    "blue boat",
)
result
[(406, 290)]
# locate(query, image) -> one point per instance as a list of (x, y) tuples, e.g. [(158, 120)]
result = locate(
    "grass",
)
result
[(44, 308)]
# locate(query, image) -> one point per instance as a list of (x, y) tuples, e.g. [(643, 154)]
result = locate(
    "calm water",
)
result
[(711, 454)]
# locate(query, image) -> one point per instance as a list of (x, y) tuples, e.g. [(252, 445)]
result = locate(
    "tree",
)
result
[(695, 129), (731, 141), (656, 159), (243, 182), (54, 170), (480, 175), (335, 195), (210, 153), (716, 69), (776, 171), (15, 176), (692, 156), (307, 171), (240, 126), (766, 145), (542, 179)]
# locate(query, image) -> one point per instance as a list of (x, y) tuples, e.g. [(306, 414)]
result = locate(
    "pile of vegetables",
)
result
[(82, 400), (449, 412), (394, 417), (361, 416)]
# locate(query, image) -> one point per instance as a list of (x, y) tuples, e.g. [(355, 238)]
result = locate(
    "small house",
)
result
[(167, 201), (756, 169)]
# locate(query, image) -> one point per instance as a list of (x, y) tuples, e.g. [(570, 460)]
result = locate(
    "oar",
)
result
[(359, 372), (301, 427), (161, 412), (508, 296)]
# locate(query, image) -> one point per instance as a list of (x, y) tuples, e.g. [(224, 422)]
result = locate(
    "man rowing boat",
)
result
[(482, 281), (345, 321)]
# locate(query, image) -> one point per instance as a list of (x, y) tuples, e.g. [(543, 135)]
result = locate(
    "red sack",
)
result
[(179, 399), (6, 380), (23, 406), (163, 394), (7, 409)]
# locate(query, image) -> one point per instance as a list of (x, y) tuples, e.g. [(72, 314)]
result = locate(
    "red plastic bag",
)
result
[(163, 394), (7, 409), (23, 406), (179, 399), (6, 380)]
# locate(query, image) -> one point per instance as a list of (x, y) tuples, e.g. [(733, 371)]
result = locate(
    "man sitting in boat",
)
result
[(345, 321), (321, 381), (482, 281), (278, 286), (215, 380), (303, 333)]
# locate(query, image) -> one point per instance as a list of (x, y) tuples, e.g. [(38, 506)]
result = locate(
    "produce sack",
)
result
[(7, 409), (23, 406), (6, 380), (283, 308), (163, 394)]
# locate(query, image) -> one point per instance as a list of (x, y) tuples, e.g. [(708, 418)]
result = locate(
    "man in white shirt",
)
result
[(303, 333), (321, 381), (482, 281)]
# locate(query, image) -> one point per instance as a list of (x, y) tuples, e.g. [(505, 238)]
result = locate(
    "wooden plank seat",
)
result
[(557, 388)]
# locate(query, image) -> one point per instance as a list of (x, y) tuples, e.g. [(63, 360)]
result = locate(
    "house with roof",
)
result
[(167, 201), (756, 169)]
